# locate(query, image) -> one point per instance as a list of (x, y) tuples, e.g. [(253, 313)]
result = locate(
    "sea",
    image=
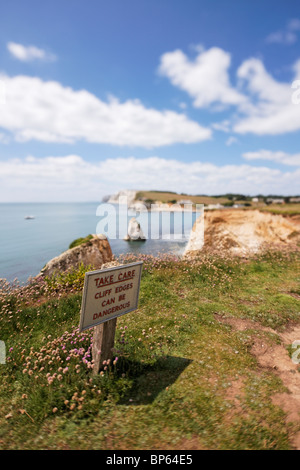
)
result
[(33, 233)]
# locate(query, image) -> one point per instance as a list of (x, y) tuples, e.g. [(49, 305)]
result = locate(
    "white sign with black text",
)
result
[(109, 293)]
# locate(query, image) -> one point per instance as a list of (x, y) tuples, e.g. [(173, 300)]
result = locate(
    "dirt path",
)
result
[(276, 358)]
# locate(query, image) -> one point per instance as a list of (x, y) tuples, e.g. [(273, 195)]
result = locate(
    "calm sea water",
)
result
[(27, 245)]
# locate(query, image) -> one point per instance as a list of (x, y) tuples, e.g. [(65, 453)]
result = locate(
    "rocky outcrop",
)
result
[(241, 232), (134, 231), (94, 252)]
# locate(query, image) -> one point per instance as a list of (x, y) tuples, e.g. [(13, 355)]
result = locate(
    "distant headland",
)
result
[(171, 201)]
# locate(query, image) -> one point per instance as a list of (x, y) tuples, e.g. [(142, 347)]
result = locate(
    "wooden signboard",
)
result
[(107, 294)]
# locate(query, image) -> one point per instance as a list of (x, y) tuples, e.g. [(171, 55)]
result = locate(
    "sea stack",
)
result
[(135, 232)]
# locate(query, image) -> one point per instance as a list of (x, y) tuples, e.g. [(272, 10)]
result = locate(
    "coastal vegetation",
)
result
[(80, 241), (285, 207), (183, 375)]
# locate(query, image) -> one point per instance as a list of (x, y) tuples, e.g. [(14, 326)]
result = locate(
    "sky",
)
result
[(191, 96)]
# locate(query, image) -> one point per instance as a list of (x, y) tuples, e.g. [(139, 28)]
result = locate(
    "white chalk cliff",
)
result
[(126, 195)]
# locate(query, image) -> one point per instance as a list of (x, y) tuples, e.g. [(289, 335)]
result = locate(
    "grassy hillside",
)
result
[(172, 197), (181, 377), (288, 209), (291, 209)]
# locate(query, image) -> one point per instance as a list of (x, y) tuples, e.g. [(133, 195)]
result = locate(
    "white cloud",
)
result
[(206, 79), (182, 105), (263, 105), (271, 110), (223, 126), (29, 53), (294, 24), (231, 140), (71, 178), (278, 157), (4, 139), (282, 37), (50, 112), (286, 36)]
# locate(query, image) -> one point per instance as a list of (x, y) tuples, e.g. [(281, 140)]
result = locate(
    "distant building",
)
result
[(294, 199), (184, 201), (275, 201)]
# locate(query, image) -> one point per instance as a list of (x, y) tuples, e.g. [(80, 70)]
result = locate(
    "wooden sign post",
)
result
[(103, 343), (108, 294)]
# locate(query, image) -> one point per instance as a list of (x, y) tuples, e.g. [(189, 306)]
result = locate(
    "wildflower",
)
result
[(54, 410)]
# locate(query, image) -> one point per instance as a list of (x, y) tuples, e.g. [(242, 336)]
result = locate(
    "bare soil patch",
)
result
[(275, 357)]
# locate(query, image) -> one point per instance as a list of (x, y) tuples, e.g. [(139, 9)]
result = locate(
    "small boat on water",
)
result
[(29, 217)]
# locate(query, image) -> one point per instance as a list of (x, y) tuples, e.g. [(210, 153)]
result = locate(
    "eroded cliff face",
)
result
[(241, 232), (94, 252)]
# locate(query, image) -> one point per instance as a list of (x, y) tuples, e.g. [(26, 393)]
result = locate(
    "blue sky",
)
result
[(189, 96)]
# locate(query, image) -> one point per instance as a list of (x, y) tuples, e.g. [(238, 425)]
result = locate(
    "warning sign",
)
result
[(109, 293)]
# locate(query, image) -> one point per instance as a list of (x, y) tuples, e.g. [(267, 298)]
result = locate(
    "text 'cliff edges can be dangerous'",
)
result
[(109, 293)]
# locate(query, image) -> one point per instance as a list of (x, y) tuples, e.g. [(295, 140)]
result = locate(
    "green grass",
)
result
[(80, 241), (291, 209), (181, 378), (170, 197)]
